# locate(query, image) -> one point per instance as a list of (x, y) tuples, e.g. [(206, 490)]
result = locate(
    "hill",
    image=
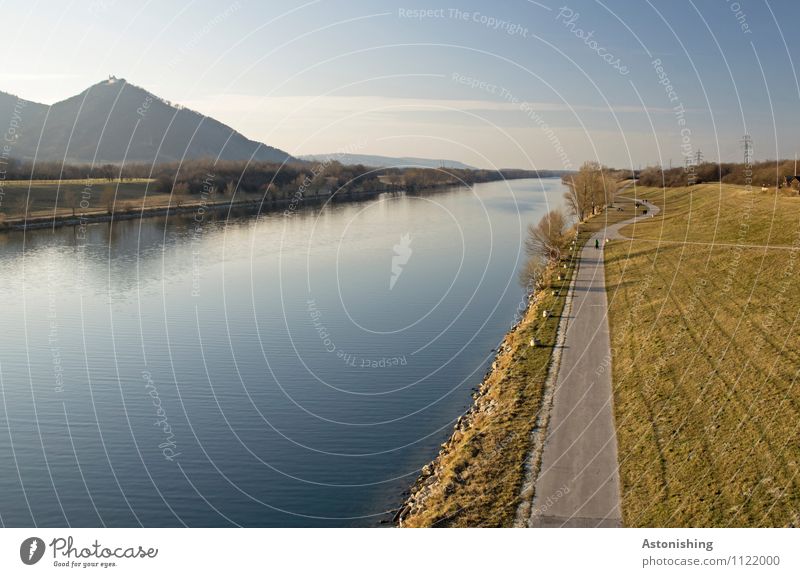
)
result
[(115, 121)]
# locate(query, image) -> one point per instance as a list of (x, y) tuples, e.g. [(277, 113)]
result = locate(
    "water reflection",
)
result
[(255, 370)]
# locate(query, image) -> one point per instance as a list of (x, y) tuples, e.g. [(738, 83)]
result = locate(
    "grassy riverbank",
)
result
[(705, 359), (477, 477), (55, 200)]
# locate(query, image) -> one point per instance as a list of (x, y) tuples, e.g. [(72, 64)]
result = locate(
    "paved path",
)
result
[(578, 485)]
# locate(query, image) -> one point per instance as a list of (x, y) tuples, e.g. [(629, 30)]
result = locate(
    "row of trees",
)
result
[(16, 169), (590, 189), (420, 178), (275, 180), (769, 173)]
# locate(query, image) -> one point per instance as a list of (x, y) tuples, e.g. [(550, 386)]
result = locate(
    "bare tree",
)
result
[(548, 237), (530, 276), (179, 193), (573, 199), (590, 189), (230, 188)]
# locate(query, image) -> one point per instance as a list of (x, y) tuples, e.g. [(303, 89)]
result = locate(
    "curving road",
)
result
[(578, 485)]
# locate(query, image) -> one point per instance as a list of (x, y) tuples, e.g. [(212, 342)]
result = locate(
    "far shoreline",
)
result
[(259, 206)]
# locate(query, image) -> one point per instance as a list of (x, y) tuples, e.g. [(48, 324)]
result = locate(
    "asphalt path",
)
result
[(578, 483)]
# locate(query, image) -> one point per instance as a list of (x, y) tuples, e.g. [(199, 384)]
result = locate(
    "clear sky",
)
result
[(502, 83)]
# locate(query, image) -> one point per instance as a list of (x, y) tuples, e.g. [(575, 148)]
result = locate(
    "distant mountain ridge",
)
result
[(115, 121), (386, 161)]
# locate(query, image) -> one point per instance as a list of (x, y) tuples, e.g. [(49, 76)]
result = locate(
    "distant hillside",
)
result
[(387, 161), (115, 121)]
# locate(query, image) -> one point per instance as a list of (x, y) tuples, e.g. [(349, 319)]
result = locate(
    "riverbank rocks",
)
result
[(433, 479), (438, 480)]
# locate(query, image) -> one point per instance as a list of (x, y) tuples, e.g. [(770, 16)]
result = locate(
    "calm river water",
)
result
[(269, 371)]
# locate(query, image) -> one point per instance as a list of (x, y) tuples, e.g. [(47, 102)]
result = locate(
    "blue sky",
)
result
[(514, 83)]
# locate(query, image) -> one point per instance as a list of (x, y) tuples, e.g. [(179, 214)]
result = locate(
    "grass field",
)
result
[(482, 470), (47, 197), (703, 310)]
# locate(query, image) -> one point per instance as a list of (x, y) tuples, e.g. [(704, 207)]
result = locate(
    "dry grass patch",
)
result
[(705, 360)]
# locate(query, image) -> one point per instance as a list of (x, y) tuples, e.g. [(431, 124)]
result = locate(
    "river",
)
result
[(279, 370)]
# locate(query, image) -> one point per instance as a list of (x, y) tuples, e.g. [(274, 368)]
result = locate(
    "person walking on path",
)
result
[(596, 243)]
